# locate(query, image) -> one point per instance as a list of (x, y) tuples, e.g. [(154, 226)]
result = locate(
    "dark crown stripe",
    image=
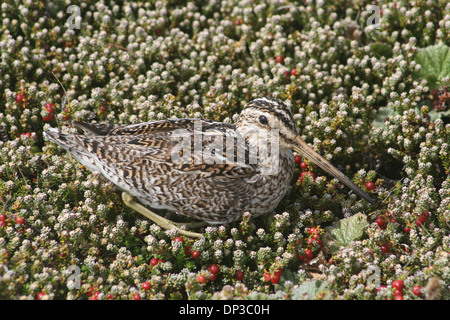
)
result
[(275, 107)]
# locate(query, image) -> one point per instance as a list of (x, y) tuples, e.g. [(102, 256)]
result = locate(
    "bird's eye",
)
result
[(263, 120)]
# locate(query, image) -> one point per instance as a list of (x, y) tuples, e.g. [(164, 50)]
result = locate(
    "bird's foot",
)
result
[(160, 221)]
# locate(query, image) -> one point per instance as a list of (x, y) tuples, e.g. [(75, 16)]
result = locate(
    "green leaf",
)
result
[(382, 114), (345, 231), (288, 275), (434, 115), (386, 112), (435, 64), (311, 289), (381, 49)]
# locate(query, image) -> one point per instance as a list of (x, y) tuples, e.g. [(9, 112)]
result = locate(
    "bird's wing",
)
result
[(190, 146)]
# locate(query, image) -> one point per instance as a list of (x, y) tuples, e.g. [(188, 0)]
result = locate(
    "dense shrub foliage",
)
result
[(370, 90)]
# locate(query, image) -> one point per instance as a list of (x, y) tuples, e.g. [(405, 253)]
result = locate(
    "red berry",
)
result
[(213, 277), (301, 257), (303, 165), (309, 254), (20, 220), (239, 275), (279, 272), (398, 284), (178, 239), (293, 72), (50, 107), (154, 261), (110, 296), (201, 278), (2, 217), (398, 292), (298, 159), (275, 278), (379, 288), (21, 98), (316, 237), (267, 276), (312, 230), (407, 229), (426, 214), (380, 221), (279, 59), (103, 108), (423, 218), (90, 292), (25, 134), (370, 185), (215, 269), (187, 251), (48, 118), (417, 290), (137, 296), (95, 296), (146, 285), (418, 223), (384, 248), (304, 173), (398, 297), (40, 295), (196, 254)]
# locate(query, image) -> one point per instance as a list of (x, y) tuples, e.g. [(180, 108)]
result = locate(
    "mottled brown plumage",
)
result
[(216, 182)]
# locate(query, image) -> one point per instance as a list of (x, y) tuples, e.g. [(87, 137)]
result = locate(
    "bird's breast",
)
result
[(272, 184)]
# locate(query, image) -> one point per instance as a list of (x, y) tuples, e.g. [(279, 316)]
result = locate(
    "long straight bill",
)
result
[(306, 151)]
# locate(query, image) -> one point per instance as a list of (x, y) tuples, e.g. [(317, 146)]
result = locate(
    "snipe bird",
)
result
[(223, 171)]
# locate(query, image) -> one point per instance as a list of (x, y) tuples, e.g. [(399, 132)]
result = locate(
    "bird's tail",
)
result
[(65, 141), (74, 144)]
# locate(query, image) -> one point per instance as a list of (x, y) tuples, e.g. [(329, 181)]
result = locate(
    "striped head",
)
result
[(263, 116)]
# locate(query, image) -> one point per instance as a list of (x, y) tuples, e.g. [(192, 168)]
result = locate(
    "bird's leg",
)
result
[(160, 221), (190, 225)]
